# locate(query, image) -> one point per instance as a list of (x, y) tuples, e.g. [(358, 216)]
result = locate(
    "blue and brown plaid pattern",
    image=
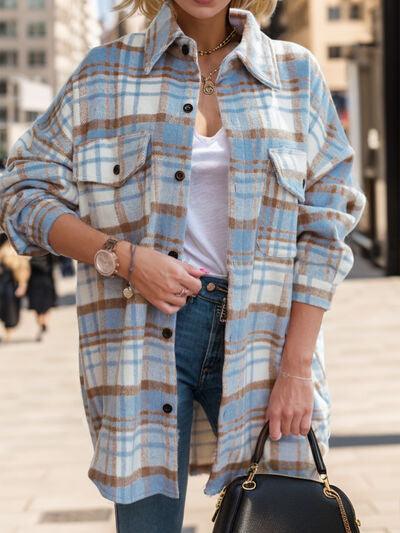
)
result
[(292, 201)]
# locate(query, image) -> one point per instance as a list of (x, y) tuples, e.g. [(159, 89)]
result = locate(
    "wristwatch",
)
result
[(106, 260)]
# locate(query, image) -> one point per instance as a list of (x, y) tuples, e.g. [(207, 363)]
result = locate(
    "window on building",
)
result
[(334, 13), (8, 58), (8, 4), (334, 52), (37, 29), (3, 87), (3, 114), (8, 28), (31, 115), (36, 4), (36, 58), (355, 11)]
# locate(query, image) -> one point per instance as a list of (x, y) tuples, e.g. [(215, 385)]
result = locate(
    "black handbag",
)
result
[(277, 503)]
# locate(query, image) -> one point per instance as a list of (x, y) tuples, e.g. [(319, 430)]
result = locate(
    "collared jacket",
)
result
[(107, 150)]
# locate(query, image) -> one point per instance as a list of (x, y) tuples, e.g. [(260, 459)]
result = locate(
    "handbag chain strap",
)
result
[(331, 493)]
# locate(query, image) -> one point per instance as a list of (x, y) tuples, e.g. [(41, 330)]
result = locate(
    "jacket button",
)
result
[(116, 169), (167, 408), (167, 333), (173, 253), (185, 49), (179, 175), (188, 108)]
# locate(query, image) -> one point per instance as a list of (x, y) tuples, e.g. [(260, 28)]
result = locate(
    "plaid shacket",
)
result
[(292, 201)]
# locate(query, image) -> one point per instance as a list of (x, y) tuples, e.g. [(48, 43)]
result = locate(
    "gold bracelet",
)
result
[(287, 375), (128, 290)]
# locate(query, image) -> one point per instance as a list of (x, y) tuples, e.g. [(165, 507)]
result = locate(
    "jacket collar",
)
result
[(255, 48)]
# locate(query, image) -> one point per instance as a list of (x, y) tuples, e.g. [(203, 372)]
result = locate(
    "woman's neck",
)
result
[(207, 33)]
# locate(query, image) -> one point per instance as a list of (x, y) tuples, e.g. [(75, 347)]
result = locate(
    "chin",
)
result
[(202, 9)]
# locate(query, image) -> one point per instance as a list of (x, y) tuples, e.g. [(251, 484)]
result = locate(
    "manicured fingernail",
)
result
[(204, 270)]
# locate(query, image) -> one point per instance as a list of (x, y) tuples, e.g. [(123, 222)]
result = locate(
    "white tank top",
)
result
[(205, 243)]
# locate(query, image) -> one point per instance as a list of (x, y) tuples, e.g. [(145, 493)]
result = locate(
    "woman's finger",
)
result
[(305, 424), (295, 425), (274, 426), (286, 422)]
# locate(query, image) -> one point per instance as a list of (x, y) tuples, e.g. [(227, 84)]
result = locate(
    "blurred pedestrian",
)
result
[(14, 275), (66, 266), (41, 290)]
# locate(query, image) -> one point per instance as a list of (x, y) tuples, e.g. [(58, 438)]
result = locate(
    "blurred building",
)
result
[(41, 41), (328, 28), (23, 99)]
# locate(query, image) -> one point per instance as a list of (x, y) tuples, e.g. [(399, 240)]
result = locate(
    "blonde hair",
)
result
[(150, 8)]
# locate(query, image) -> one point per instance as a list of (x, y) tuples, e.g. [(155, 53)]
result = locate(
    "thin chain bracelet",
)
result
[(287, 375), (128, 291)]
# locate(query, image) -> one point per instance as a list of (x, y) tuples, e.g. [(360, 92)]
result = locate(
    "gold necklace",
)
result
[(208, 86), (220, 45)]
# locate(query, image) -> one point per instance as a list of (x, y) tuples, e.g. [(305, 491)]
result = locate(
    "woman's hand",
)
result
[(20, 291), (290, 406), (158, 277), (291, 401)]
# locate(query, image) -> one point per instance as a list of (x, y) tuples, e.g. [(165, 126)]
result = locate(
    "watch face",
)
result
[(105, 262)]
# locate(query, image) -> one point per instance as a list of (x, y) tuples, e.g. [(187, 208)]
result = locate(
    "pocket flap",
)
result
[(291, 169), (111, 160)]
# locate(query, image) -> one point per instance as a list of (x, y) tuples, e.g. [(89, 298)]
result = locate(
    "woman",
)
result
[(180, 367), (41, 291), (14, 275)]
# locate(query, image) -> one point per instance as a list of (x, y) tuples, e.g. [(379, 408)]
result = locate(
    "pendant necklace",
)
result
[(208, 86)]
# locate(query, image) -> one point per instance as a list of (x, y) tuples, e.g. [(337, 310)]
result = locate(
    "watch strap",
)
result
[(110, 244)]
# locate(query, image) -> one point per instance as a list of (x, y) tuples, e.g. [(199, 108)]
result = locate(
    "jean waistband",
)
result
[(213, 288)]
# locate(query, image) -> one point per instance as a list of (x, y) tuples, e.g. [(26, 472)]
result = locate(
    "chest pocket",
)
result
[(113, 177), (284, 191)]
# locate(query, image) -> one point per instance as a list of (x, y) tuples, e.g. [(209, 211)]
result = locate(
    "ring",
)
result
[(183, 292)]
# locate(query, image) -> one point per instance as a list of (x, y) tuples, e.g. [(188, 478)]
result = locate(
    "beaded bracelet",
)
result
[(128, 291), (287, 375)]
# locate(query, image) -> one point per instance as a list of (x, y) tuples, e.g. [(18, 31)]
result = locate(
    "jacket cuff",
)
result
[(37, 221), (41, 219), (313, 291)]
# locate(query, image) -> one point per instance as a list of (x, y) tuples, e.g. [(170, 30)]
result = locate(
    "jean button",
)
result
[(210, 286)]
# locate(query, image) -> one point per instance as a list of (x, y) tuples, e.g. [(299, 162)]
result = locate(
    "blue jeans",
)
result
[(199, 352)]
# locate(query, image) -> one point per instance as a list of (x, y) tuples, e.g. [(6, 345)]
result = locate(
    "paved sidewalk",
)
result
[(45, 447)]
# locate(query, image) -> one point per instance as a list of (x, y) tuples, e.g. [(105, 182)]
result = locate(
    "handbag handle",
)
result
[(264, 433)]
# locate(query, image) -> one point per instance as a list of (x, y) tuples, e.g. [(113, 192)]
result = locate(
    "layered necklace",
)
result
[(208, 86)]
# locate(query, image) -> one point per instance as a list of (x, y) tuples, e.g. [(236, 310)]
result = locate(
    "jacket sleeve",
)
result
[(36, 186), (333, 202)]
